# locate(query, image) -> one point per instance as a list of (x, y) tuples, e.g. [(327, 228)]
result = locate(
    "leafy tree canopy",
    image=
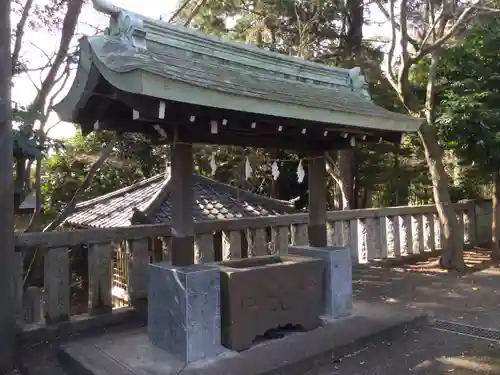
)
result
[(469, 108)]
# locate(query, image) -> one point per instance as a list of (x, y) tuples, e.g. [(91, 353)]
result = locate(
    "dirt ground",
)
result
[(473, 299)]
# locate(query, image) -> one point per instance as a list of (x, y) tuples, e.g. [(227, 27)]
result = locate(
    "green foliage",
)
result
[(386, 174), (316, 30), (64, 171), (469, 110), (308, 29)]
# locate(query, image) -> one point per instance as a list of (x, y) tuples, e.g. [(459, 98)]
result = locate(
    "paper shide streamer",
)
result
[(275, 169)]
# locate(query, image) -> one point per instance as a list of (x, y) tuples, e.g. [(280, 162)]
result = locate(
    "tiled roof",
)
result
[(209, 72), (212, 201)]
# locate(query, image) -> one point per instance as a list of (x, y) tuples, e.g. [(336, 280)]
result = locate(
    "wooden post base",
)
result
[(182, 252)]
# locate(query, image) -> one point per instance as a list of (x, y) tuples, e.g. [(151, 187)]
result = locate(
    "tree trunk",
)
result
[(20, 181), (364, 199), (397, 190), (345, 162), (68, 31), (34, 224), (495, 220), (336, 197), (7, 284), (20, 34), (334, 172), (452, 254), (353, 49), (39, 103)]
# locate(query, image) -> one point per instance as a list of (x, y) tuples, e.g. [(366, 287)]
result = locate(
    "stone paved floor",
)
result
[(473, 299)]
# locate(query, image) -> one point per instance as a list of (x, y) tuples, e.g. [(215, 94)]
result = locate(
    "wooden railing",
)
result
[(371, 234)]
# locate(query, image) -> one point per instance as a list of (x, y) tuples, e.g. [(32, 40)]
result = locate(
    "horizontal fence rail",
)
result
[(89, 236), (117, 258)]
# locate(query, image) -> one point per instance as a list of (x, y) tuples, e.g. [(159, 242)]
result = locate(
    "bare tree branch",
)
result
[(404, 37), (96, 29), (195, 11), (68, 31), (63, 78), (42, 136), (179, 11), (28, 75), (20, 33), (39, 69), (85, 184), (392, 48), (397, 27), (51, 127), (50, 59), (193, 14), (464, 16), (38, 110), (432, 30)]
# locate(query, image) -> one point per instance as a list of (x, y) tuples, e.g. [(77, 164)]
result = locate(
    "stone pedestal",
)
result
[(337, 282), (184, 310)]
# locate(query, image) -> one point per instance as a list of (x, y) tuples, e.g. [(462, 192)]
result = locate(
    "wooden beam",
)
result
[(182, 250), (259, 140), (7, 295), (317, 199), (180, 114)]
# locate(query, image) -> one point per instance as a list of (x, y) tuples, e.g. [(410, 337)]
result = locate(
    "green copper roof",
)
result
[(150, 57)]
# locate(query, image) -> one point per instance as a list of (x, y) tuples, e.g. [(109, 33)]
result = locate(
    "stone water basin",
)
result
[(263, 293)]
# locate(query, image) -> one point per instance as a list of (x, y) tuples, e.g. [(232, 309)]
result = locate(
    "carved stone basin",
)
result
[(263, 293)]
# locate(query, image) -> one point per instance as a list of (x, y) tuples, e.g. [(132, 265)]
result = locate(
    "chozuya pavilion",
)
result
[(183, 87)]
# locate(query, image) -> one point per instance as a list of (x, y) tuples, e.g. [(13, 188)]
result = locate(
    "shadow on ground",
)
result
[(423, 352), (472, 299)]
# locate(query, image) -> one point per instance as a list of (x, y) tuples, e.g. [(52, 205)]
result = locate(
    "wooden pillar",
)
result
[(317, 199), (182, 248), (7, 279)]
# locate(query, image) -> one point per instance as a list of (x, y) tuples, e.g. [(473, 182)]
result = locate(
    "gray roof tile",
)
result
[(209, 72), (213, 201)]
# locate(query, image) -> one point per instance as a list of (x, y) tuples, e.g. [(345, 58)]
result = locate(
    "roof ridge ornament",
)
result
[(358, 82), (124, 24), (106, 7)]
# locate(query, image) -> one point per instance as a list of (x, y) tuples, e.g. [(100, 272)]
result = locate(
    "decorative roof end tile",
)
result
[(123, 24), (128, 27), (358, 82)]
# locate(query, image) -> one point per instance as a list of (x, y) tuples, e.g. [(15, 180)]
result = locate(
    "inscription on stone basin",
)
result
[(259, 294)]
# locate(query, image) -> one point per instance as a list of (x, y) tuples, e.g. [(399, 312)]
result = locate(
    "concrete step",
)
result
[(131, 353)]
